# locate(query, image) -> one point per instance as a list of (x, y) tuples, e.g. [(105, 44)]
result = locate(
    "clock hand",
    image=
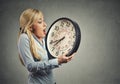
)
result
[(53, 41), (59, 40)]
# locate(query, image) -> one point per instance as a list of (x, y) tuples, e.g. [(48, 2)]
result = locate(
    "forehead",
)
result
[(38, 16)]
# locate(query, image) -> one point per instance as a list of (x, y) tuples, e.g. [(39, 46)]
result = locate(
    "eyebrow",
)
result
[(40, 19)]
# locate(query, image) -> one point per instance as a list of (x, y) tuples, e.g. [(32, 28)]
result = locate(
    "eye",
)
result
[(39, 22)]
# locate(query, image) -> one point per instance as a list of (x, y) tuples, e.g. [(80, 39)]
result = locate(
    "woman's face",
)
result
[(39, 28)]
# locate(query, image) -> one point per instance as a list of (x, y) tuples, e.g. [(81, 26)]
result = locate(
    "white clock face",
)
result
[(61, 37)]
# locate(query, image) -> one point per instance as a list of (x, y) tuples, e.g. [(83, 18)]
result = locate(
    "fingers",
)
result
[(73, 54), (64, 59), (66, 54), (71, 57)]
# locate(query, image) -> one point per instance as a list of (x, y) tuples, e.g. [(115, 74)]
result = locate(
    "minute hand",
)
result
[(59, 40)]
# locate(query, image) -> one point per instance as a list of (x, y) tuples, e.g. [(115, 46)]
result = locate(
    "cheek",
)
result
[(38, 31), (36, 28)]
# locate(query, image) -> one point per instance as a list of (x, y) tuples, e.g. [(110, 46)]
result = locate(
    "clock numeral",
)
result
[(53, 48), (63, 53), (57, 53), (72, 28), (51, 41), (68, 24), (62, 23), (74, 36), (56, 28)]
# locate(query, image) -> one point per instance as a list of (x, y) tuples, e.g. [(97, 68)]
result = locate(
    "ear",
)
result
[(31, 28)]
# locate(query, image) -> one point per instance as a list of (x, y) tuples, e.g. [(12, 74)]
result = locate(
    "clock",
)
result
[(63, 36)]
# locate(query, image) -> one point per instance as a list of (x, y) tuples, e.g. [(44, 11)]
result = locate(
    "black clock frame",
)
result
[(77, 40)]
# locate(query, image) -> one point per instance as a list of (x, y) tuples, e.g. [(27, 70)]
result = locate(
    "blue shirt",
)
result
[(40, 72)]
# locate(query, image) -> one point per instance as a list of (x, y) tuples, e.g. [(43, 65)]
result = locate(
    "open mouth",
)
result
[(44, 31)]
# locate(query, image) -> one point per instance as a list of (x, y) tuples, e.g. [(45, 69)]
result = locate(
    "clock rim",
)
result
[(77, 39)]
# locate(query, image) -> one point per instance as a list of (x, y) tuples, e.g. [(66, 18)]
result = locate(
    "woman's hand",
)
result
[(64, 58)]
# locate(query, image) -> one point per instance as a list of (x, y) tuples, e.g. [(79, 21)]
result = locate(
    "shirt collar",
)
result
[(34, 36)]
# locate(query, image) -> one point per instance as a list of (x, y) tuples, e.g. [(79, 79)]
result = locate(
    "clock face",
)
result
[(61, 37)]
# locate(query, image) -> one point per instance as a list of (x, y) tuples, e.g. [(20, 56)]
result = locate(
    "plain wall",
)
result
[(98, 58)]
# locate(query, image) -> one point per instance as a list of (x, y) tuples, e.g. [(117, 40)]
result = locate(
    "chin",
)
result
[(43, 36)]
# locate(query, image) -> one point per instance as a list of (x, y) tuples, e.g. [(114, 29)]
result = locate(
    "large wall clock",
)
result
[(63, 36)]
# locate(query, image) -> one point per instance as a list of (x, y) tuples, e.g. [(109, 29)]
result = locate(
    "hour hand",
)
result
[(59, 40), (51, 42)]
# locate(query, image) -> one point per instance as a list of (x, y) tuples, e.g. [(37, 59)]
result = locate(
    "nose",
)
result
[(45, 25)]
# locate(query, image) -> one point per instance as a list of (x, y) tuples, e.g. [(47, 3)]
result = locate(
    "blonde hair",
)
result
[(27, 18)]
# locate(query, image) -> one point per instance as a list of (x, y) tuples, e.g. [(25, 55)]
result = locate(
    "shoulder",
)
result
[(23, 36)]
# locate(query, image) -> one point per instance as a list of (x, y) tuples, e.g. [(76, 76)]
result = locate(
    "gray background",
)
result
[(98, 58)]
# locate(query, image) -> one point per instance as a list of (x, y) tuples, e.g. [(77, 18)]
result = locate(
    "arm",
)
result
[(30, 64)]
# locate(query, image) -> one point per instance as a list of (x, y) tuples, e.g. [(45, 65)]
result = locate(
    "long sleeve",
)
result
[(30, 64)]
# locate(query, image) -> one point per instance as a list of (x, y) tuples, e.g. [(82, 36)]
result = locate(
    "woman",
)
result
[(32, 51)]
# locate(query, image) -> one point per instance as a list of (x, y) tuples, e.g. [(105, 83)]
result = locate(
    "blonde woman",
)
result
[(32, 51)]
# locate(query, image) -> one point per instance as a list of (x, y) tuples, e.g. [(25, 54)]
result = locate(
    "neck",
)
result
[(40, 40)]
